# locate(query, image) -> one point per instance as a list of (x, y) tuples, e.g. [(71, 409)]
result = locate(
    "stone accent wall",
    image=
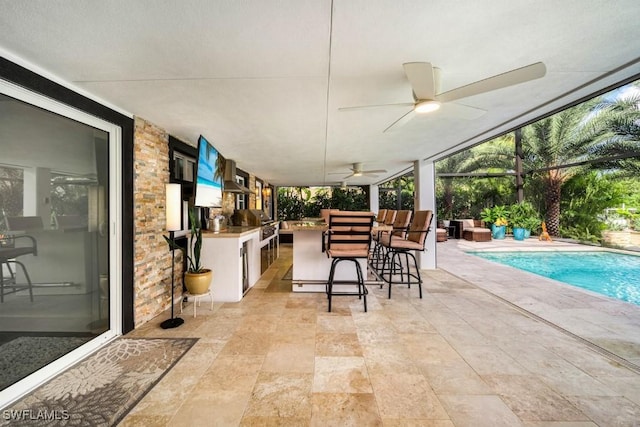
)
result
[(152, 259), (252, 195)]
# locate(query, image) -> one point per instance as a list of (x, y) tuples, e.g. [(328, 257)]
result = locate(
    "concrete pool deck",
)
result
[(608, 325)]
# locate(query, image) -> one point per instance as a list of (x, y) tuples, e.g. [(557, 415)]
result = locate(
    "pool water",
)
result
[(612, 274)]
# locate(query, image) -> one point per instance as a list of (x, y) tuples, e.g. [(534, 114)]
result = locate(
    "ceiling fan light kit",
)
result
[(426, 106)]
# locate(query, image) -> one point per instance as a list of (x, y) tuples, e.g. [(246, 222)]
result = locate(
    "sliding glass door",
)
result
[(59, 244)]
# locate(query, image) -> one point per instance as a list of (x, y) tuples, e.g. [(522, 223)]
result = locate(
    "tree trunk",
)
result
[(552, 201), (448, 198)]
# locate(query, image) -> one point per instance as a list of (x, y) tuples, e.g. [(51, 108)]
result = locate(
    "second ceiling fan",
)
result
[(425, 84), (357, 170)]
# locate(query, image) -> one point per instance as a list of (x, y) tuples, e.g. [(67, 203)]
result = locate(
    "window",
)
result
[(241, 200)]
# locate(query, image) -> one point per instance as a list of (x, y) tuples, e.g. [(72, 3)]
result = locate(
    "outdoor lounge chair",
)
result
[(474, 230)]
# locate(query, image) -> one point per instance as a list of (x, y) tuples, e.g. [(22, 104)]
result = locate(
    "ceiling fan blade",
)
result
[(420, 75), (365, 107), (349, 176), (374, 171), (461, 111), (401, 121), (510, 78)]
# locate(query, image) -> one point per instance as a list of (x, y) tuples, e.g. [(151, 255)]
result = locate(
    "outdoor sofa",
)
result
[(473, 229)]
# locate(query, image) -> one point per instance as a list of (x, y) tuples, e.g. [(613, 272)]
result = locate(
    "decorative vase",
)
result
[(498, 231), (527, 233), (518, 233), (198, 283)]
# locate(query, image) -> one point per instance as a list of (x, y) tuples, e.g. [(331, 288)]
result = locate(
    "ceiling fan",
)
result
[(356, 170), (425, 84)]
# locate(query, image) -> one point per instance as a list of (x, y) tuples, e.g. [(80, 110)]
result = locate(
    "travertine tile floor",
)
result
[(460, 356)]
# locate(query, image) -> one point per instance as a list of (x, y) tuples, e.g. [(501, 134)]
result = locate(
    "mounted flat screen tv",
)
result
[(209, 176)]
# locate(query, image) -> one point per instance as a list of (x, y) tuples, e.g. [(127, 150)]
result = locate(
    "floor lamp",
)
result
[(173, 207)]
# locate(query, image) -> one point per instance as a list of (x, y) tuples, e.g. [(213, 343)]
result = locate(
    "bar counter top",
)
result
[(308, 226), (230, 231)]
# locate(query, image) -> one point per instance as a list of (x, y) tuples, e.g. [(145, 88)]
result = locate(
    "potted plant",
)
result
[(531, 224), (197, 279), (523, 217), (499, 226), (487, 216), (518, 213)]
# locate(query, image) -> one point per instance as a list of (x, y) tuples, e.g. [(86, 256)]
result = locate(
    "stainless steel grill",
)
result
[(250, 217), (267, 231), (255, 217)]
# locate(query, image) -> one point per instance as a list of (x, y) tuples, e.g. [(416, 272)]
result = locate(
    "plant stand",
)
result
[(196, 300)]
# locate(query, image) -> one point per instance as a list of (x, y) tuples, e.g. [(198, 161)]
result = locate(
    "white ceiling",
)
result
[(263, 80)]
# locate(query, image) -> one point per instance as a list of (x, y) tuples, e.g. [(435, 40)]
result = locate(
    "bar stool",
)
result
[(389, 219), (400, 227), (399, 246), (348, 239), (8, 255)]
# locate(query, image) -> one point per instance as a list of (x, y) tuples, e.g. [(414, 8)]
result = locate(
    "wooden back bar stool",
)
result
[(382, 213), (348, 239), (400, 226)]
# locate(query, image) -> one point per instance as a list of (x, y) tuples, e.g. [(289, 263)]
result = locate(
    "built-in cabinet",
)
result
[(235, 261)]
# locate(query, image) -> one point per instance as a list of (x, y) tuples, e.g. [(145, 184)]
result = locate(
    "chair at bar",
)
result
[(403, 247), (348, 239)]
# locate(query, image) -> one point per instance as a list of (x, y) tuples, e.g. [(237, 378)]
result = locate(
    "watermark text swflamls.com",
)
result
[(33, 415)]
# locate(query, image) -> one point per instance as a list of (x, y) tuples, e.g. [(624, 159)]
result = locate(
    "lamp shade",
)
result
[(173, 206)]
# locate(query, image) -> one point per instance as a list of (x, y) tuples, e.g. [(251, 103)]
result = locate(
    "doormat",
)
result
[(24, 355), (101, 389)]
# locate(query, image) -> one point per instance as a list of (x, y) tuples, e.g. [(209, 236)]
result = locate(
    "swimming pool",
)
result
[(608, 273)]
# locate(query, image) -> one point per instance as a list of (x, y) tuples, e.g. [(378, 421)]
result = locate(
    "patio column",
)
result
[(374, 198), (424, 174), (36, 199)]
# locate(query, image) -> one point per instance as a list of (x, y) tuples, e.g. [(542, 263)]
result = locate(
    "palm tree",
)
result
[(569, 137), (620, 148), (493, 156)]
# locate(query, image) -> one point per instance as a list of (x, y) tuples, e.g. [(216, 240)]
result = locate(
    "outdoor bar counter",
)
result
[(310, 264)]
